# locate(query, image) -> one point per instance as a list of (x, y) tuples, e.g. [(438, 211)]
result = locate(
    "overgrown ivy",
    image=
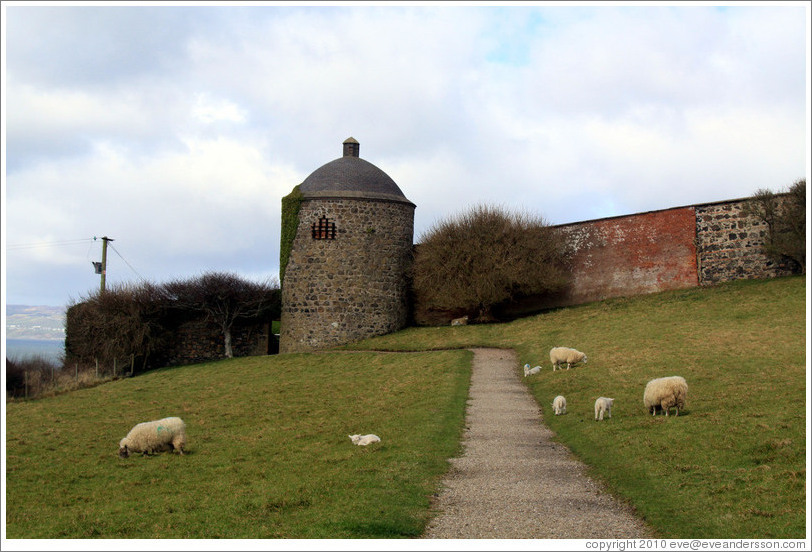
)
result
[(291, 204)]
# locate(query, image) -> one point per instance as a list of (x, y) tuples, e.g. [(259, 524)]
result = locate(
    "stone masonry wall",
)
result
[(655, 251), (351, 287), (200, 341), (729, 245)]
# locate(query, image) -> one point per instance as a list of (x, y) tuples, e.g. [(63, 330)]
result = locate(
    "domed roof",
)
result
[(351, 177)]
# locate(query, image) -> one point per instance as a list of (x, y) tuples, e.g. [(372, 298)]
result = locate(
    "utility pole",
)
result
[(105, 239)]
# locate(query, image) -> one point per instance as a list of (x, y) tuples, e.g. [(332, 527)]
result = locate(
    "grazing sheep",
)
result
[(155, 436), (364, 440), (530, 371), (462, 321), (560, 405), (562, 355), (665, 393), (602, 405)]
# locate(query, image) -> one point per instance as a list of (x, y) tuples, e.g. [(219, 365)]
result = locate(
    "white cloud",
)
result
[(177, 131), (218, 201), (209, 110)]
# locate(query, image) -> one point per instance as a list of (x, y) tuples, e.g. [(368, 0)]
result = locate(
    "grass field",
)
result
[(733, 465), (269, 455)]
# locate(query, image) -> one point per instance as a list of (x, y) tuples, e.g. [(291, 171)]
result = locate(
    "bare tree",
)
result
[(785, 216), (225, 298), (487, 256)]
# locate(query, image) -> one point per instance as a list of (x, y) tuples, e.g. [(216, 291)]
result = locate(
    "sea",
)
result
[(20, 349)]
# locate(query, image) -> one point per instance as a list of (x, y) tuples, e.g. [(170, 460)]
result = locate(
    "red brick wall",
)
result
[(616, 257), (648, 252), (631, 255)]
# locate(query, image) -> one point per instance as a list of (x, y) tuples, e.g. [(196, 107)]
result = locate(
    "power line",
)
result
[(49, 244), (78, 241), (128, 264)]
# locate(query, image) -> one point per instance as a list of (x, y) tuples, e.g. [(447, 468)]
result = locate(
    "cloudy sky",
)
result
[(176, 130)]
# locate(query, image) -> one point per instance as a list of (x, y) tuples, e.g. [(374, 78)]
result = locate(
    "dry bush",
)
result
[(15, 378), (133, 326), (29, 376), (485, 257), (785, 217), (117, 324), (37, 377)]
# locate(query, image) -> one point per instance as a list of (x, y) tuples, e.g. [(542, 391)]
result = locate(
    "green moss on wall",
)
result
[(291, 204)]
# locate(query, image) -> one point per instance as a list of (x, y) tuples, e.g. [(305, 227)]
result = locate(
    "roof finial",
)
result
[(351, 147)]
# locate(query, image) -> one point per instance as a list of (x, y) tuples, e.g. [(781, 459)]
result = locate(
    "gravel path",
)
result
[(513, 481)]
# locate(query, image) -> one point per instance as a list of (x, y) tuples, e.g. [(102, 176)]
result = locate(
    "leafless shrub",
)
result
[(785, 217), (121, 323), (15, 378), (37, 377), (126, 326), (31, 376), (485, 257)]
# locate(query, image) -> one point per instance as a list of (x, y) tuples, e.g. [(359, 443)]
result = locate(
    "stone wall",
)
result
[(199, 340), (176, 338), (353, 286), (674, 248), (642, 253), (729, 245)]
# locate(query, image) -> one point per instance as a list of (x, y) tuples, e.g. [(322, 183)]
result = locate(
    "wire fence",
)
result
[(35, 378)]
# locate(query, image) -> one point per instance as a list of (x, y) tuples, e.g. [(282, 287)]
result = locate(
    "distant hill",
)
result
[(35, 322)]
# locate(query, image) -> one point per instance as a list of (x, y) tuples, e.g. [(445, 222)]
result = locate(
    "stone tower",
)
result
[(346, 274)]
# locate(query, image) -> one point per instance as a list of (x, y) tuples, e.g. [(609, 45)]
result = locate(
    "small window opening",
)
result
[(324, 229)]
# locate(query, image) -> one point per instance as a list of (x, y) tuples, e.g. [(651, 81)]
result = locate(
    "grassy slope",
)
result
[(269, 455), (268, 449), (733, 465)]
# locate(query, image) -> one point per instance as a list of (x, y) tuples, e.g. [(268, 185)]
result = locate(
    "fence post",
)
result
[(97, 367), (114, 367), (25, 379), (76, 370), (132, 363)]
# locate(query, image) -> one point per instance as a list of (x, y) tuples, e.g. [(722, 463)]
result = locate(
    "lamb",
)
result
[(561, 355), (155, 436), (530, 371), (665, 393), (603, 405), (364, 440), (560, 405)]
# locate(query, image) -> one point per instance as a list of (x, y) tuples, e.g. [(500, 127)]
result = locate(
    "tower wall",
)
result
[(348, 281)]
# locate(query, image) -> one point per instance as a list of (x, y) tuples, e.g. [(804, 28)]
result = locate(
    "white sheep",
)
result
[(560, 405), (155, 436), (364, 440), (603, 405), (665, 393), (565, 355), (530, 371)]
